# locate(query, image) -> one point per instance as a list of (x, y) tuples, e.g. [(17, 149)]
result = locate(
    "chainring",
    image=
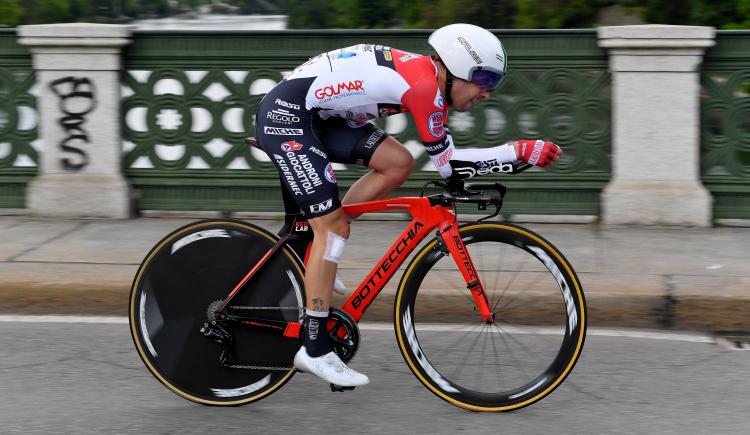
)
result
[(343, 334)]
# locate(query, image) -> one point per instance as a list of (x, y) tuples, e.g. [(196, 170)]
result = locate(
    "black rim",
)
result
[(177, 283), (525, 354)]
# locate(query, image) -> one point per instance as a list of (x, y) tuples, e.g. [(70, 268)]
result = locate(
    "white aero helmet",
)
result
[(470, 53)]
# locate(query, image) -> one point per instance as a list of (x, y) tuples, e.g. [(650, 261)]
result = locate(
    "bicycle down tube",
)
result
[(426, 217)]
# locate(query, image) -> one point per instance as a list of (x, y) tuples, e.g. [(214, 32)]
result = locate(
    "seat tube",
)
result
[(452, 239)]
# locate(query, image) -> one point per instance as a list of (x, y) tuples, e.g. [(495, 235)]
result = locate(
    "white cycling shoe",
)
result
[(330, 368), (338, 286)]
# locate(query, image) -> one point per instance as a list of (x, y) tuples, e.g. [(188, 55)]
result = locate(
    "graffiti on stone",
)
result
[(77, 98)]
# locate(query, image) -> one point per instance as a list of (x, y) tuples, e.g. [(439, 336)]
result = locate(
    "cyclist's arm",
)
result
[(426, 104), (485, 161)]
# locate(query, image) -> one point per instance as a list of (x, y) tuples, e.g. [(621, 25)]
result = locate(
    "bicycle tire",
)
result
[(184, 273), (541, 288)]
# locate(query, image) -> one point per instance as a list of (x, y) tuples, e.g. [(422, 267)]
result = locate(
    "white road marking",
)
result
[(382, 326)]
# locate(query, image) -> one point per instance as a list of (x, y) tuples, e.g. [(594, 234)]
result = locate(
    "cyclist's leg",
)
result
[(307, 174), (391, 165), (320, 272), (369, 146)]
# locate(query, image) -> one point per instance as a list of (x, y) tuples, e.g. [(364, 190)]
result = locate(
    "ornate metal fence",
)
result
[(189, 99), (725, 124), (18, 121)]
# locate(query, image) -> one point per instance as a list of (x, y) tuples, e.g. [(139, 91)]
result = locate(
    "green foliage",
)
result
[(45, 11), (485, 13), (363, 14), (668, 11), (10, 12), (554, 14), (310, 14), (716, 13)]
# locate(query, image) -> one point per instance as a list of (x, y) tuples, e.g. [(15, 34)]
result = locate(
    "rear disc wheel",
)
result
[(175, 293)]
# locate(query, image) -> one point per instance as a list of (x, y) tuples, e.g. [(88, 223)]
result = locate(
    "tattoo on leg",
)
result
[(318, 304)]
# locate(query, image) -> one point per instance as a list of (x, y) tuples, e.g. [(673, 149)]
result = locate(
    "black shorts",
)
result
[(303, 146)]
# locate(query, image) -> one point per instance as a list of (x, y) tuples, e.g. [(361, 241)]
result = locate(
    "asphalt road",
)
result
[(76, 378)]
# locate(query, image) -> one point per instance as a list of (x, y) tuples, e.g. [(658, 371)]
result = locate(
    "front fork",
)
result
[(450, 239)]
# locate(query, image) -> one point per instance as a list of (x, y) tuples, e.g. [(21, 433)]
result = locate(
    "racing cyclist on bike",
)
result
[(319, 114)]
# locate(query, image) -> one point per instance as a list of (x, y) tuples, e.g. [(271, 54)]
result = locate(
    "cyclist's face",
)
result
[(466, 95)]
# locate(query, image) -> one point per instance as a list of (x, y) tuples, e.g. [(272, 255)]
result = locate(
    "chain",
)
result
[(240, 307), (246, 367)]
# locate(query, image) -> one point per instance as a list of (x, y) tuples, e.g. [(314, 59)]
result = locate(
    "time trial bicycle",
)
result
[(488, 316)]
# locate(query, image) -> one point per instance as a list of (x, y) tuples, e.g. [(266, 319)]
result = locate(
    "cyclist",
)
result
[(319, 114)]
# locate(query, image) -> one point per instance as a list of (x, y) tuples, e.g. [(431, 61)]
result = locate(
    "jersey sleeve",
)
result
[(425, 101), (427, 106)]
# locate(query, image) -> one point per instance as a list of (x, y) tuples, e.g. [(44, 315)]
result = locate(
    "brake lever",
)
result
[(437, 184), (497, 211)]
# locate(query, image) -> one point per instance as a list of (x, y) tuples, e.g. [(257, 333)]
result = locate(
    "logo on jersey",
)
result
[(301, 169), (487, 167), (408, 57), (291, 145), (355, 120), (279, 131), (374, 137), (345, 55), (445, 157), (281, 116), (321, 206), (288, 176), (329, 174), (387, 55), (438, 101), (281, 102), (435, 124), (340, 90), (436, 149), (388, 110), (319, 152)]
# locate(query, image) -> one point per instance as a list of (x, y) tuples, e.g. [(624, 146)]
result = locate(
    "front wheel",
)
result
[(177, 290), (534, 341)]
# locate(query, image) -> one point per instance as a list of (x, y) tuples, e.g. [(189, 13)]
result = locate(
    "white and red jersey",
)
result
[(364, 81)]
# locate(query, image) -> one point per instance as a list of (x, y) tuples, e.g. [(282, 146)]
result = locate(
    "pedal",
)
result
[(339, 388)]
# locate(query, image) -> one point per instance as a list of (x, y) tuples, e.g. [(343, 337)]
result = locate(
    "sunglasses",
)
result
[(486, 80)]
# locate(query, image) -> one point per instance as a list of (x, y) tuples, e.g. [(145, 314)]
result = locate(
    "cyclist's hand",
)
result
[(537, 152)]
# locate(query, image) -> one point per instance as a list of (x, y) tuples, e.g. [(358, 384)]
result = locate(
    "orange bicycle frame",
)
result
[(425, 218)]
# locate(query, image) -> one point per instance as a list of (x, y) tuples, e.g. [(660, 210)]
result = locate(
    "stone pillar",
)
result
[(656, 124), (77, 70)]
